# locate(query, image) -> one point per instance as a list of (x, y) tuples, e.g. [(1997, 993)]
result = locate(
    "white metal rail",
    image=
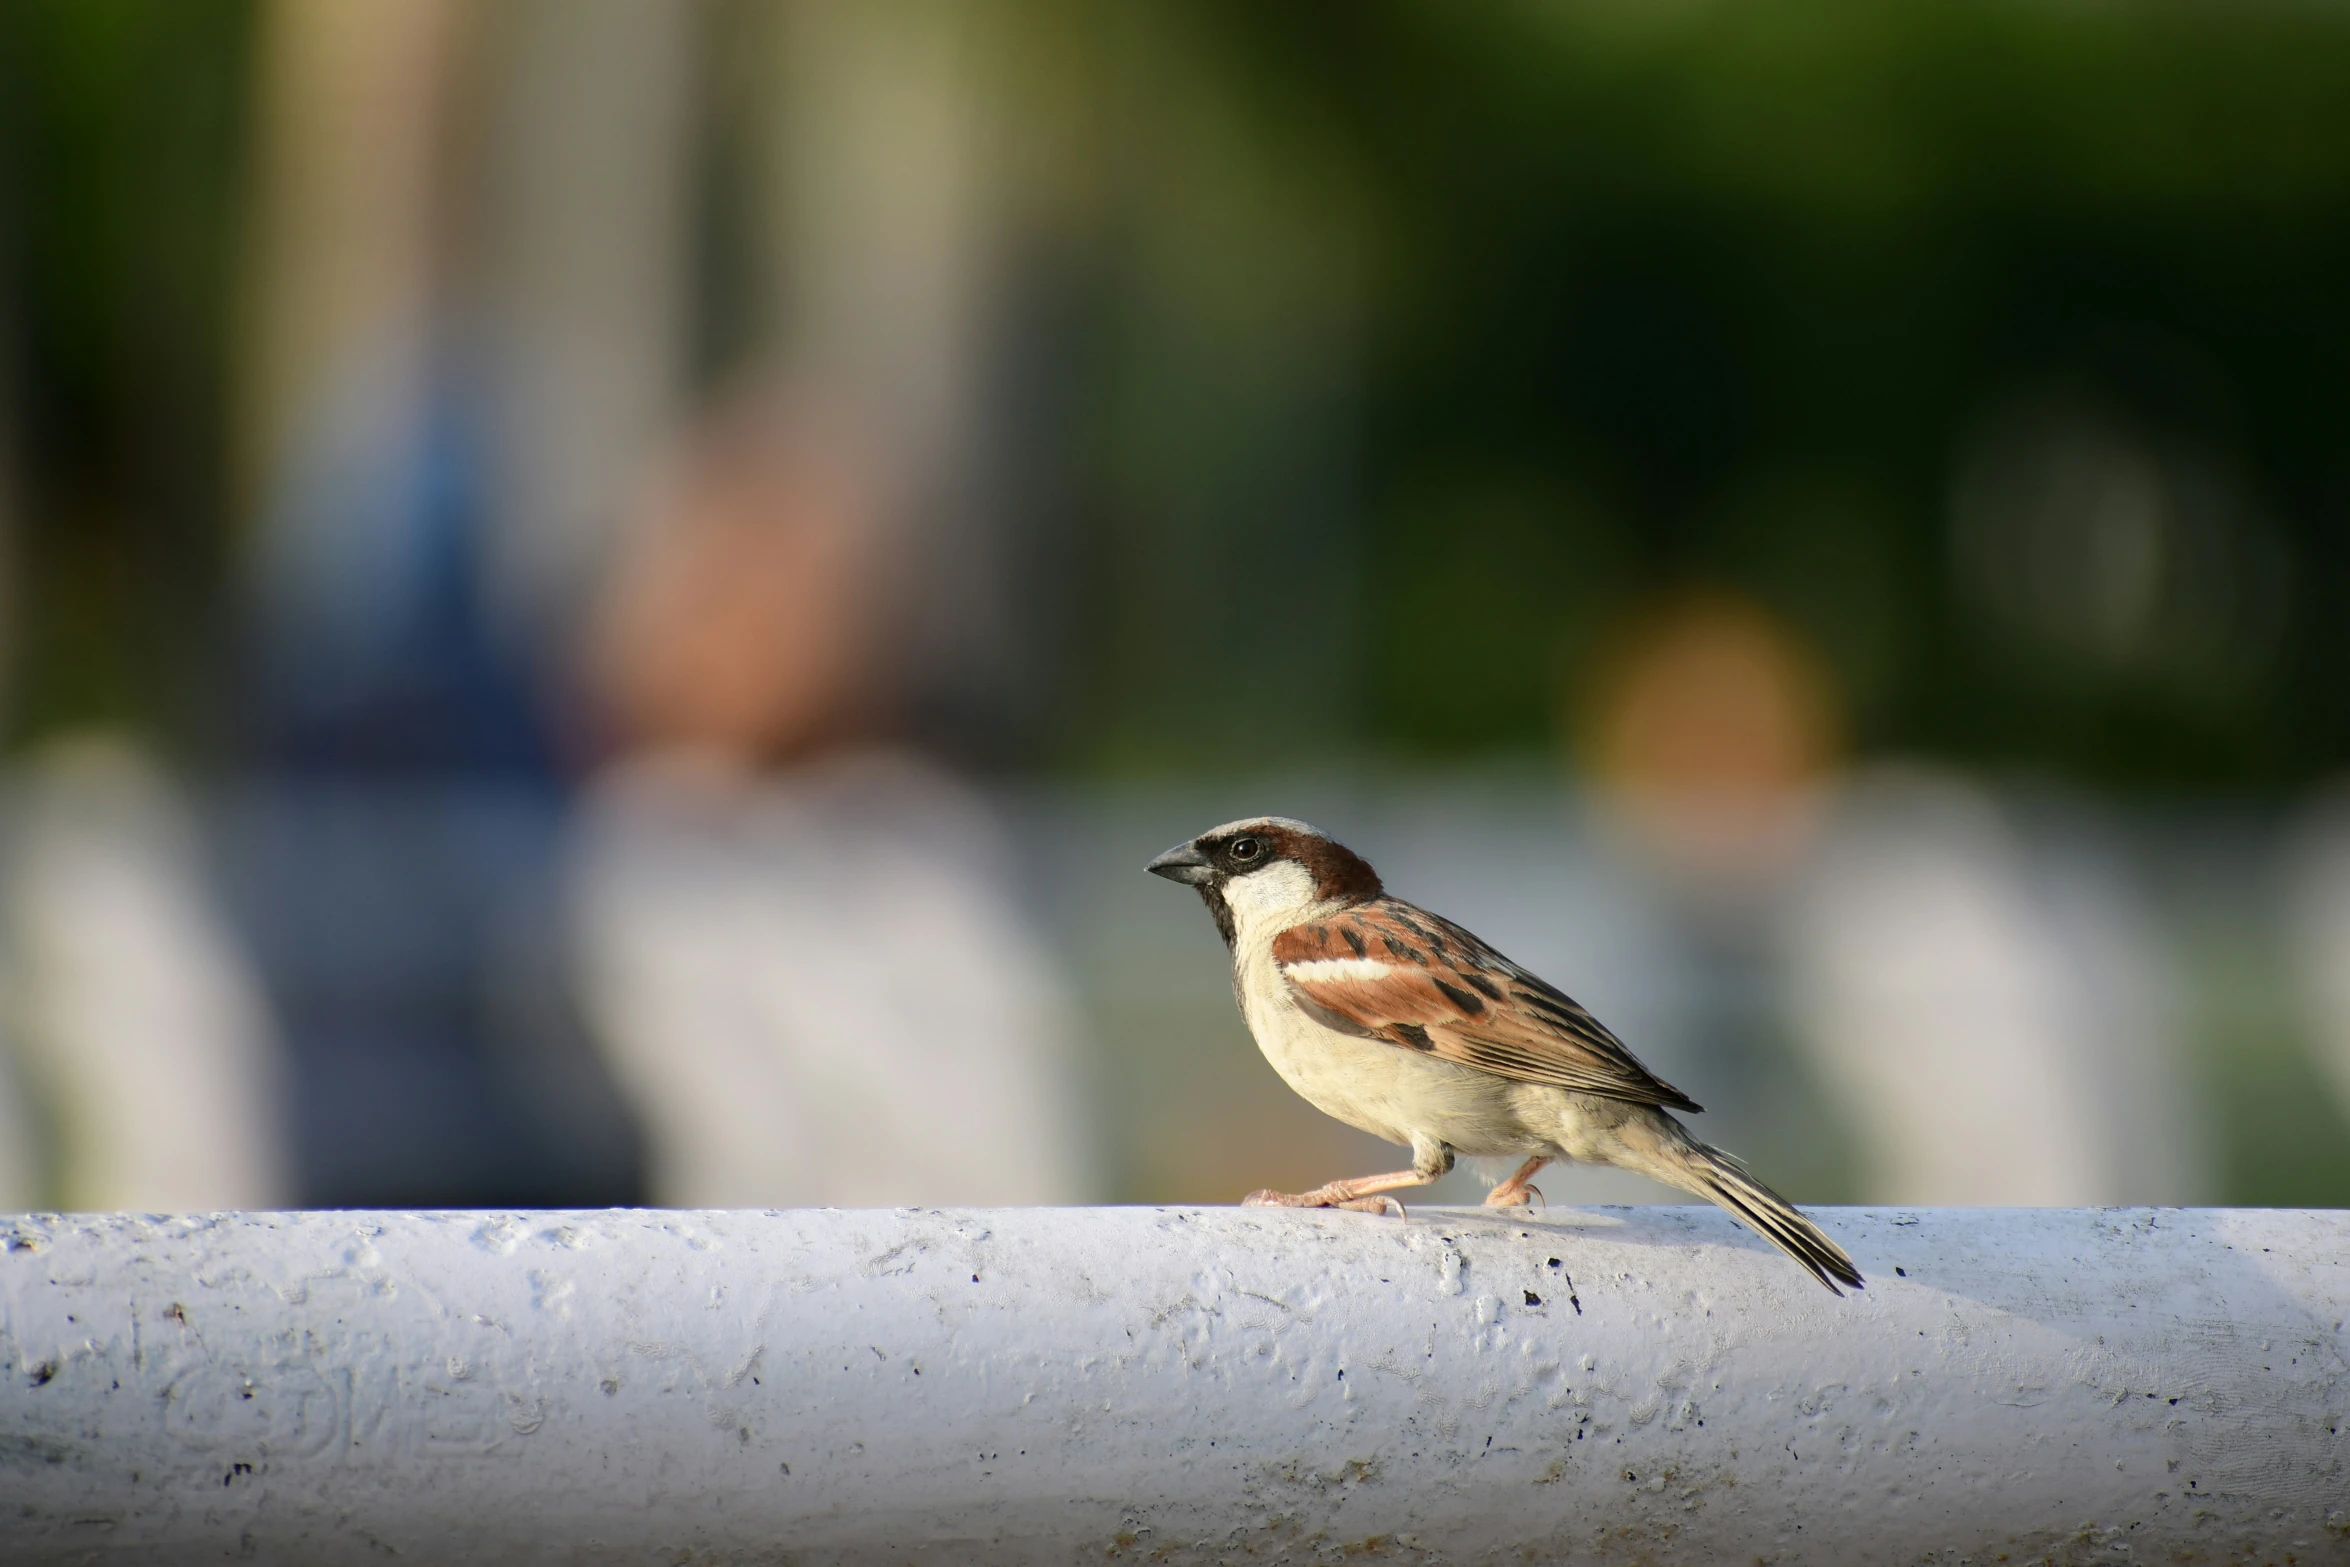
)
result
[(1171, 1385)]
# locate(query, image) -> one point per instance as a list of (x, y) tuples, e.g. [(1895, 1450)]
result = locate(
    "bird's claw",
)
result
[(1381, 1204), (1527, 1196)]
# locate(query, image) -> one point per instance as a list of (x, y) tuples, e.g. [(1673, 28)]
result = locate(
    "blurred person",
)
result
[(1995, 1016), (461, 286), (1710, 732), (1991, 1020), (796, 937), (140, 1024), (398, 842), (1713, 733)]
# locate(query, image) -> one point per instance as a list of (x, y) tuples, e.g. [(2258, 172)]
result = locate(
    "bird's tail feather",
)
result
[(1775, 1219), (1710, 1173)]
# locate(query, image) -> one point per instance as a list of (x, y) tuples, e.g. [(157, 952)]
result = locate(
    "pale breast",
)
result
[(1388, 1091)]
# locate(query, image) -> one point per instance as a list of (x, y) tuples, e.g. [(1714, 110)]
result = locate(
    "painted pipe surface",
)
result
[(1172, 1385)]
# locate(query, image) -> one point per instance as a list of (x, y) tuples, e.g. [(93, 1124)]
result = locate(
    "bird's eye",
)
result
[(1244, 850)]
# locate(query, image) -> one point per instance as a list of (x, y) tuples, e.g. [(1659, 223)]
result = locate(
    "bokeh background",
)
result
[(603, 599)]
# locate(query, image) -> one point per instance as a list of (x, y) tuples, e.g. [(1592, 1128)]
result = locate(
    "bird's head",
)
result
[(1268, 868)]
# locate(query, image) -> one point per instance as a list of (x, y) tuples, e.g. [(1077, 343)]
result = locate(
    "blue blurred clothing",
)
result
[(396, 859)]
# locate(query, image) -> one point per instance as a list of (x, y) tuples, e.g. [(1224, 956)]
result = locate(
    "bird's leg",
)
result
[(1513, 1192), (1362, 1193)]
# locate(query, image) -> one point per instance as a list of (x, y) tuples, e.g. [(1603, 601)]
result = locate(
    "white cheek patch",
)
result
[(1337, 969), (1278, 892)]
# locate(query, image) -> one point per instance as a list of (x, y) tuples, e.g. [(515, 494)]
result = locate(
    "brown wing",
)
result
[(1404, 975)]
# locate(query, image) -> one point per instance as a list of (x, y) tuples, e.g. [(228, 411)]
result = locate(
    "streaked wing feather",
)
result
[(1420, 982)]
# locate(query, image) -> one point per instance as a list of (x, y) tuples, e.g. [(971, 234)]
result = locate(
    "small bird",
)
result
[(1398, 1021)]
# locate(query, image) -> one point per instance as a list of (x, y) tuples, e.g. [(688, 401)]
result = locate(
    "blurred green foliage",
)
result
[(120, 159), (1735, 284), (1404, 353)]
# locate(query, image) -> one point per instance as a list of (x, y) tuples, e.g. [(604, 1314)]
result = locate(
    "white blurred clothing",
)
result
[(1997, 1025), (141, 1025), (816, 989), (20, 1150)]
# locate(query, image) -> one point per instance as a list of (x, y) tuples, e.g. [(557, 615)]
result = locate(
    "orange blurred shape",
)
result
[(1709, 725), (744, 617)]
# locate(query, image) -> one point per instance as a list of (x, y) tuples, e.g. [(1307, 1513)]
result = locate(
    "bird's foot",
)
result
[(1515, 1192), (1332, 1196), (1525, 1196)]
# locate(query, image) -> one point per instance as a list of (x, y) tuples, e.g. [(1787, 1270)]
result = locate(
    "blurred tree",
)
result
[(1763, 278), (119, 132), (1391, 348)]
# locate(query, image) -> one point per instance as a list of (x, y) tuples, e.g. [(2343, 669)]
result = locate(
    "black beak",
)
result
[(1183, 863)]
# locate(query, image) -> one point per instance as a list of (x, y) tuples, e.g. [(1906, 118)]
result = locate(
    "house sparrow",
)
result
[(1400, 1022)]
